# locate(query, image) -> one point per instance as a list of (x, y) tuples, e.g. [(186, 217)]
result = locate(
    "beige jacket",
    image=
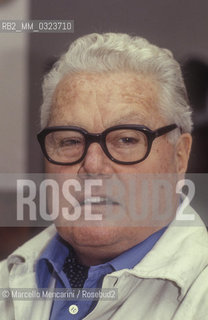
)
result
[(170, 283)]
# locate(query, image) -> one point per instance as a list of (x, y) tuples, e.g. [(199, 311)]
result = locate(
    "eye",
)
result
[(128, 140), (72, 142)]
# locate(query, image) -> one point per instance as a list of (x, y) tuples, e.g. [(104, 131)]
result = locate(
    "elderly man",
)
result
[(114, 105)]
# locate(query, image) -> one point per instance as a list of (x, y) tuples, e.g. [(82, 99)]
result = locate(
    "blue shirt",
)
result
[(51, 263)]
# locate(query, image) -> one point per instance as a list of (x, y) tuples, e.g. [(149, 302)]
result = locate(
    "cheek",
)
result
[(163, 157), (160, 160), (53, 168)]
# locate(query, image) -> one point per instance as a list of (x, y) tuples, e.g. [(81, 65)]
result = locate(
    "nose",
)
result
[(95, 161)]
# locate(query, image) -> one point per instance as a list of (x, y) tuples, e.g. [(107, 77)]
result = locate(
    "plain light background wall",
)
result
[(13, 90)]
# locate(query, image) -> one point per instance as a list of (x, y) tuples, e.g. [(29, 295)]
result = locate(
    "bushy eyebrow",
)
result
[(131, 118), (128, 118)]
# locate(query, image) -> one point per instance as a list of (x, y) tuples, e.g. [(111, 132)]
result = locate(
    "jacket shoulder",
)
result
[(4, 274)]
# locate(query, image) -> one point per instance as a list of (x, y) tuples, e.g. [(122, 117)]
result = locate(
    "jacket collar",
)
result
[(179, 256), (32, 249)]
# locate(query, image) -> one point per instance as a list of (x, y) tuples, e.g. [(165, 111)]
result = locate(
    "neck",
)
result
[(92, 258)]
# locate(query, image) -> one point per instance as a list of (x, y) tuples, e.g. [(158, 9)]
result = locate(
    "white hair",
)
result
[(114, 52)]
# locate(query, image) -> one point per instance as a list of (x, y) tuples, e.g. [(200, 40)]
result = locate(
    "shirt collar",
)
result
[(52, 259), (131, 257)]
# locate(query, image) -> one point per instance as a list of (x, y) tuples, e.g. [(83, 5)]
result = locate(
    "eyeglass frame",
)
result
[(100, 138)]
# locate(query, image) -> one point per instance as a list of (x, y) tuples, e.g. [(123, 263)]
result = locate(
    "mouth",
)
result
[(99, 201)]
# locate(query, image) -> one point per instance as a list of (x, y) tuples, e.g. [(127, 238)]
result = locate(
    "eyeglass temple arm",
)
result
[(166, 129)]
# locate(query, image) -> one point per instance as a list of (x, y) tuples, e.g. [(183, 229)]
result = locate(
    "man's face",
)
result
[(96, 102)]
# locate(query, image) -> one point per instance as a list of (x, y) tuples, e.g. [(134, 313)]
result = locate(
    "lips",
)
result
[(99, 200)]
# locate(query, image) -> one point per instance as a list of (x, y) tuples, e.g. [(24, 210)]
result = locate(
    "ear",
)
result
[(183, 148)]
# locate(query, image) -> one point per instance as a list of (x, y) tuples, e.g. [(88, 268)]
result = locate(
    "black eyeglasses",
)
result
[(124, 144)]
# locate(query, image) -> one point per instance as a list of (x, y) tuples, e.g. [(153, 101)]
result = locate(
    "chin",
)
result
[(90, 236)]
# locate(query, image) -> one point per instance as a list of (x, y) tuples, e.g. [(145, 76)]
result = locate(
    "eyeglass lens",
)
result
[(127, 145)]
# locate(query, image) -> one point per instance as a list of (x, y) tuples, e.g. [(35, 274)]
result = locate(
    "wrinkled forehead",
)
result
[(108, 98)]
